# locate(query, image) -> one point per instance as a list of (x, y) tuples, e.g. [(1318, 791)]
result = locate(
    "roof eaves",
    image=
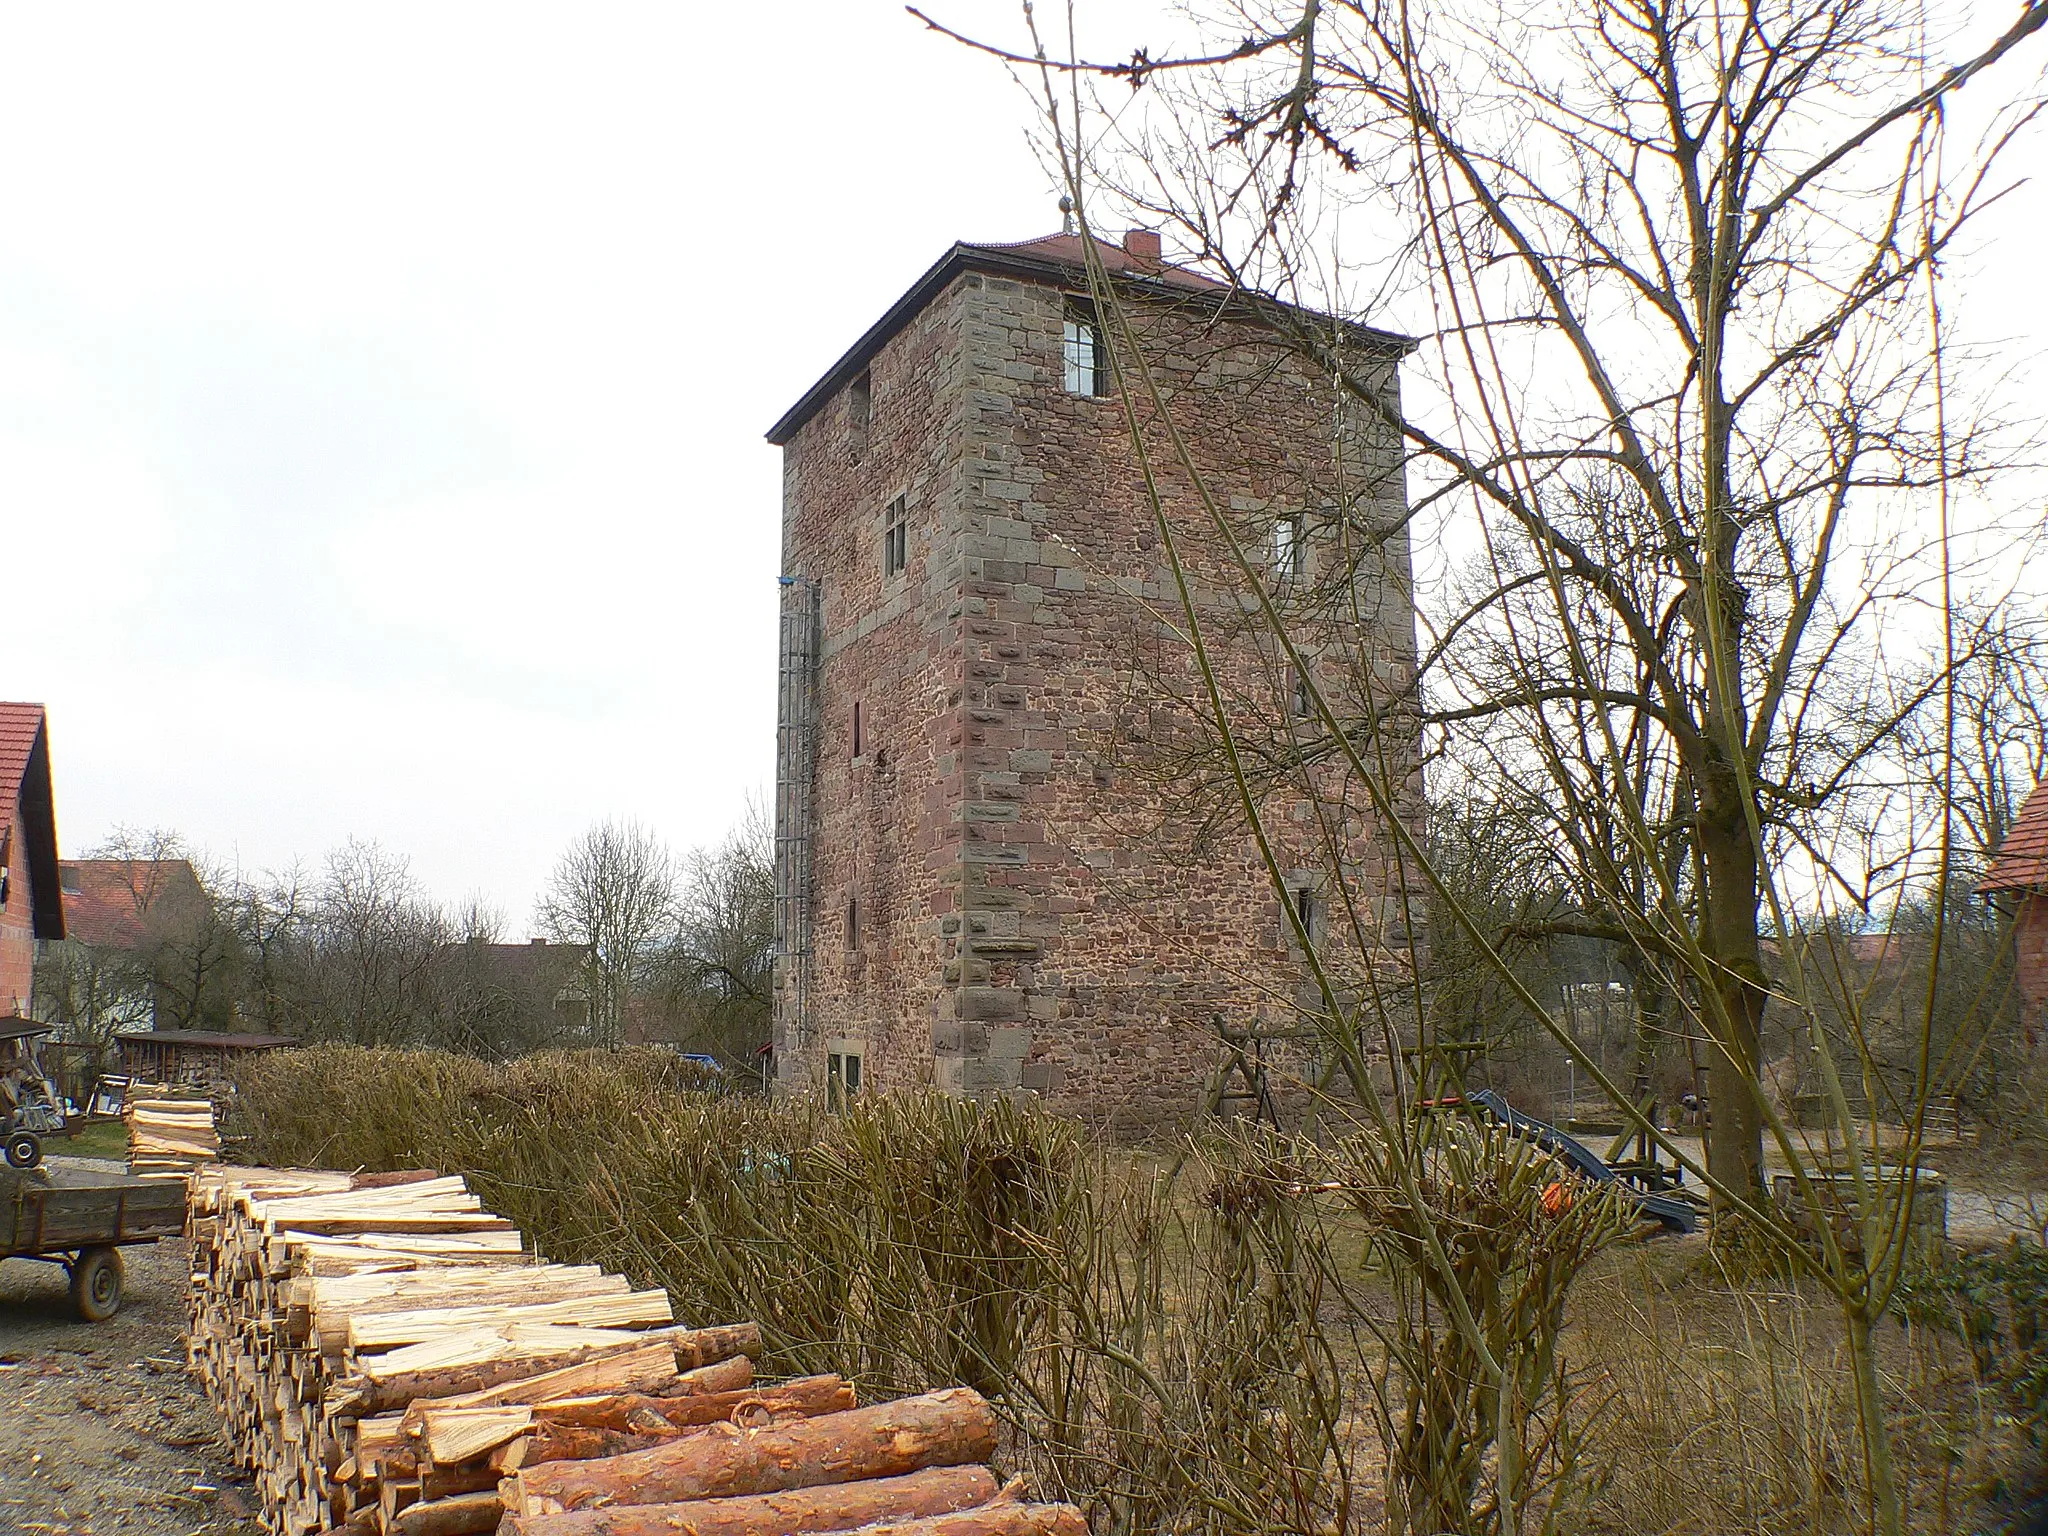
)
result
[(1006, 261), (39, 815)]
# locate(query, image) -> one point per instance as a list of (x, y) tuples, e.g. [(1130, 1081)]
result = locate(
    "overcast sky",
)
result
[(382, 390)]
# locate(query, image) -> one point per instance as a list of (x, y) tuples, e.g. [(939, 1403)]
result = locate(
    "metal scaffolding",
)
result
[(796, 761)]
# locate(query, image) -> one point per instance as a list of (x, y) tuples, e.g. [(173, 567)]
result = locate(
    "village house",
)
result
[(30, 908), (989, 878), (2020, 871)]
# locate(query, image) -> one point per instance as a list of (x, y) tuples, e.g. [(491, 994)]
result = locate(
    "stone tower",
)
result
[(989, 877)]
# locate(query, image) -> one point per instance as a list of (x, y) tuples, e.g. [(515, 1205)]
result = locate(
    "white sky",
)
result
[(382, 390)]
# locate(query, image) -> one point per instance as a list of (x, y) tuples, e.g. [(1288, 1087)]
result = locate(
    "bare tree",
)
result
[(718, 976), (1698, 402), (614, 891), (369, 950)]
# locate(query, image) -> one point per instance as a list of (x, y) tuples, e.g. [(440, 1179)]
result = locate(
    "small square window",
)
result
[(1087, 367), (895, 539)]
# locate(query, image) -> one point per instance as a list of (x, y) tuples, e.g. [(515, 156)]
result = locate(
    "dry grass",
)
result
[(1722, 1408), (1171, 1356)]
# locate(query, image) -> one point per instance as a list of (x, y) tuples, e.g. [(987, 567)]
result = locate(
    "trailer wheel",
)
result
[(24, 1149), (96, 1284)]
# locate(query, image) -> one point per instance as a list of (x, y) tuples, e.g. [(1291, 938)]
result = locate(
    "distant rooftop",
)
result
[(106, 901)]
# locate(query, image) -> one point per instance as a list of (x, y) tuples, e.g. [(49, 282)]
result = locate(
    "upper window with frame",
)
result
[(1304, 700), (895, 539), (1087, 363), (1290, 548)]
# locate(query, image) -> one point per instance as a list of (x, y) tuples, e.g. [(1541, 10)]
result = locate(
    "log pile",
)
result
[(390, 1358), (170, 1135)]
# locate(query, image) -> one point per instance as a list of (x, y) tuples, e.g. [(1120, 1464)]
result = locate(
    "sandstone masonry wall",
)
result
[(1038, 909)]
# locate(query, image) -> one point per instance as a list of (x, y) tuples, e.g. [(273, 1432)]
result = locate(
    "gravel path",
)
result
[(102, 1431)]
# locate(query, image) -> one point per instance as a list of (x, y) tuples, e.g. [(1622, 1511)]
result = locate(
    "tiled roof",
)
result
[(20, 726), (25, 794), (114, 897), (205, 1039), (2022, 862)]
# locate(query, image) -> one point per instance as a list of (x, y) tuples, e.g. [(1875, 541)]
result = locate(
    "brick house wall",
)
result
[(17, 924), (1006, 890), (2030, 951), (32, 909)]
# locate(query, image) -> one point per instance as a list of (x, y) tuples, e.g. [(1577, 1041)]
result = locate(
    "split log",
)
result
[(493, 1369), (455, 1435), (579, 1442), (394, 1330), (940, 1429), (463, 1515), (633, 1410), (489, 1369), (719, 1376), (833, 1507)]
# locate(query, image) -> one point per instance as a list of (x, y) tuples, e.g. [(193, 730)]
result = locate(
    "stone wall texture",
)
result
[(1029, 877)]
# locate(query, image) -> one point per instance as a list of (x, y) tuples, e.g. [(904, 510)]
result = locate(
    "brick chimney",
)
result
[(1142, 245)]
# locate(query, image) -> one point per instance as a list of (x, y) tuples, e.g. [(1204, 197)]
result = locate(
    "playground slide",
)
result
[(1675, 1214)]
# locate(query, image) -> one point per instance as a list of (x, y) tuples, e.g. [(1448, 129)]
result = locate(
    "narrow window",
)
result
[(1304, 701), (859, 399), (856, 728), (1290, 552), (1305, 911), (1086, 366), (895, 539), (842, 1078), (853, 922)]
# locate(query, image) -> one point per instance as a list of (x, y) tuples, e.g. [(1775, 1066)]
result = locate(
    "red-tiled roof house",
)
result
[(2021, 872), (30, 905)]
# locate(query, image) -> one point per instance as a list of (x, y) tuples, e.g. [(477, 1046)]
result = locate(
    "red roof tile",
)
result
[(25, 794), (20, 725), (107, 901), (2022, 862)]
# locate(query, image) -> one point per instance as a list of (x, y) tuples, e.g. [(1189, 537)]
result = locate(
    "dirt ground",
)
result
[(102, 1431)]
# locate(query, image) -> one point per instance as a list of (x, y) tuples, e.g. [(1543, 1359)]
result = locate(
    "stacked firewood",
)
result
[(389, 1358), (170, 1135)]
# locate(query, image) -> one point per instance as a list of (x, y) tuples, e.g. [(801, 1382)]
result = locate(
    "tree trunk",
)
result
[(1885, 1516), (1735, 1009), (939, 1429), (839, 1507)]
